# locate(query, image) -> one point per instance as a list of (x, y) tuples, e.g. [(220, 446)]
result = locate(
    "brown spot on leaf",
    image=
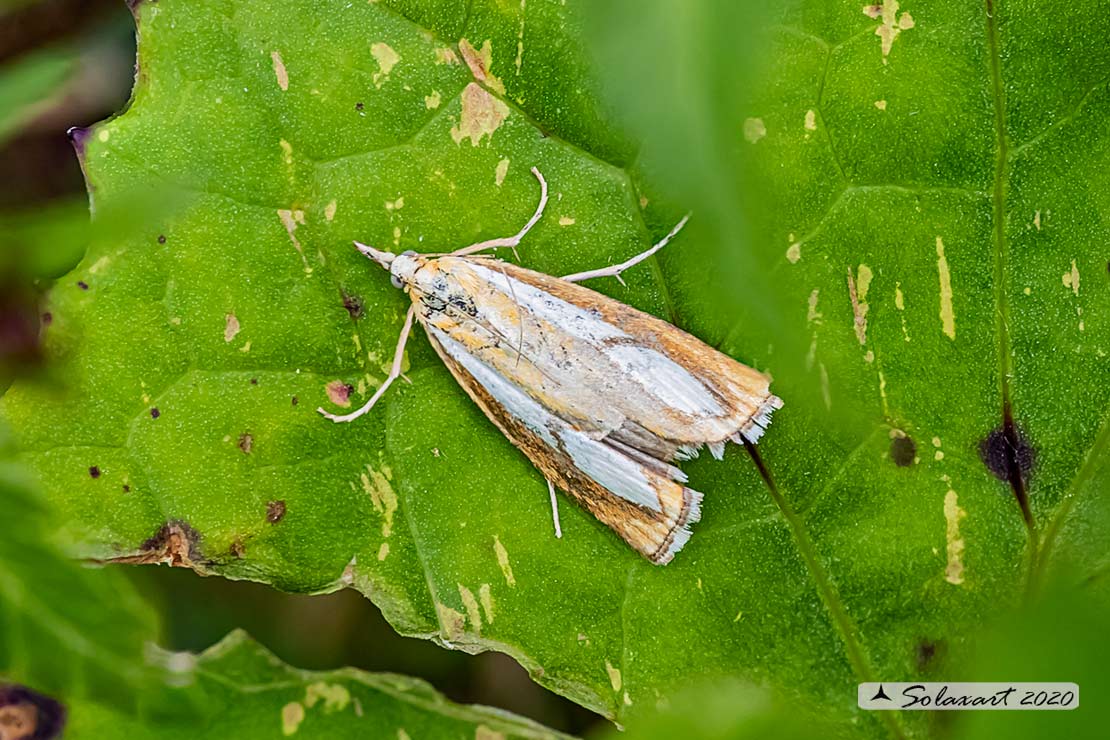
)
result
[(246, 441), (354, 306), (155, 413), (295, 400), (482, 114), (929, 653), (480, 63), (275, 511), (161, 238), (29, 715), (126, 488), (94, 471), (254, 381), (175, 544), (360, 106), (903, 451), (339, 393), (47, 318), (82, 285), (237, 550)]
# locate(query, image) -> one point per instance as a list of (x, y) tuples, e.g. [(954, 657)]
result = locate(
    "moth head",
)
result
[(400, 267)]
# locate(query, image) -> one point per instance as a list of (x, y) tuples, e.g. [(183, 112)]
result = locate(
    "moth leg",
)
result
[(616, 270), (394, 373), (511, 241), (554, 509)]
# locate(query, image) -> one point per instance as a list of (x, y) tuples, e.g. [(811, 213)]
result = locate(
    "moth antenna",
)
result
[(616, 270), (511, 241), (555, 510), (394, 373)]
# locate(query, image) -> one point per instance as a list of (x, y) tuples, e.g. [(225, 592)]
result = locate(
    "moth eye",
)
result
[(408, 253), (396, 281)]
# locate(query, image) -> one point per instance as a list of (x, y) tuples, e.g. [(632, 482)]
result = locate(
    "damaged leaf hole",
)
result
[(94, 471), (275, 511), (161, 238), (295, 400), (29, 715), (254, 381), (903, 451), (237, 550), (360, 106)]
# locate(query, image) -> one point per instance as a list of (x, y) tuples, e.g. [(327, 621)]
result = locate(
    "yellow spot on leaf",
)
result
[(811, 120), (481, 64), (445, 55), (482, 114), (104, 134), (381, 495), (431, 102), (279, 70), (387, 59), (481, 732), (1037, 220), (857, 292), (813, 316), (287, 152), (947, 315), (471, 606), (290, 219), (614, 676), (566, 221), (383, 552), (329, 210), (292, 714), (892, 24), (335, 696), (486, 598), (451, 622), (503, 561), (794, 252), (395, 205), (231, 327), (1071, 278), (754, 129), (880, 104), (500, 172), (954, 572)]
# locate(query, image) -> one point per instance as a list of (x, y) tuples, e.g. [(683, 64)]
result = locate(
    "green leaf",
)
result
[(65, 630), (236, 688), (28, 83), (293, 129)]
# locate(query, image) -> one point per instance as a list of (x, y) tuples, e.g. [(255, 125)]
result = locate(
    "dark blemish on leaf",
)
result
[(155, 413), (359, 106), (161, 238), (237, 549), (903, 451), (126, 488), (295, 400), (47, 318), (1009, 456), (175, 543), (245, 442), (82, 285), (353, 304), (29, 715), (94, 471), (275, 511), (254, 381), (929, 652)]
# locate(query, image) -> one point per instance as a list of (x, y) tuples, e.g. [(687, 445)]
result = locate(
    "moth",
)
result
[(601, 397)]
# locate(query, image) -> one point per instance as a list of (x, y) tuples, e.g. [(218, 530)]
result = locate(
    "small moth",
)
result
[(601, 397)]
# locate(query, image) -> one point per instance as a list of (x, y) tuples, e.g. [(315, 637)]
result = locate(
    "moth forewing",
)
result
[(599, 396)]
